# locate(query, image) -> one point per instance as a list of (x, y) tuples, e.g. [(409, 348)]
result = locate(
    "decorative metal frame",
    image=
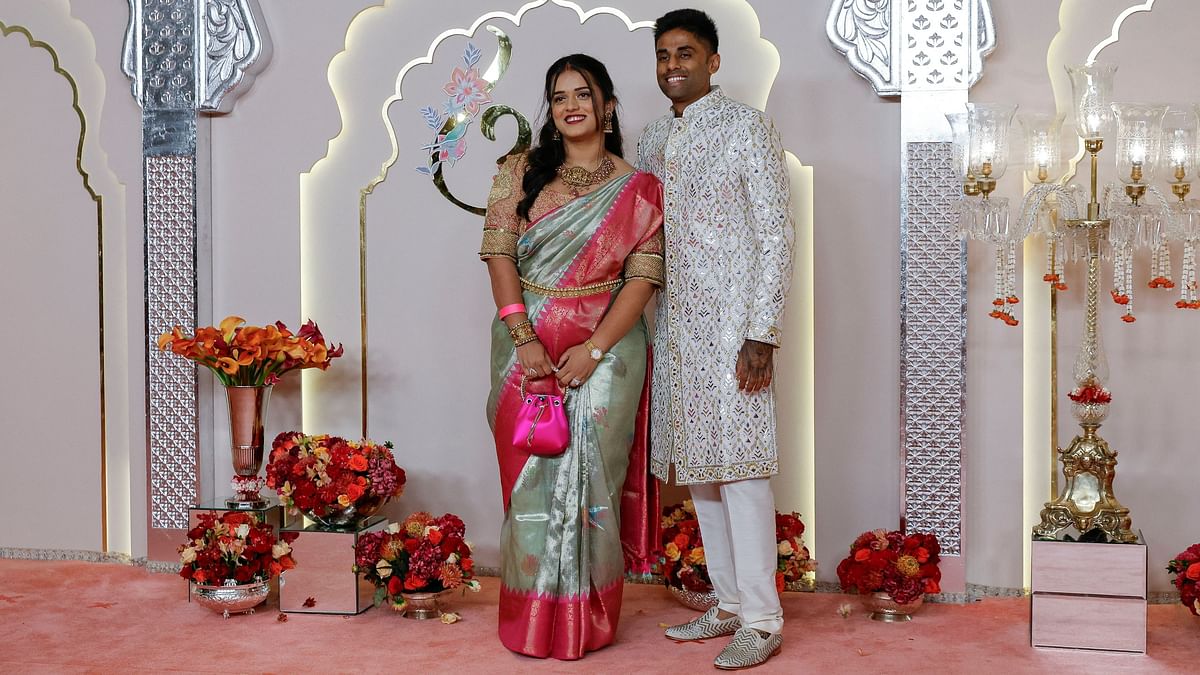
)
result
[(898, 48), (927, 52), (184, 57)]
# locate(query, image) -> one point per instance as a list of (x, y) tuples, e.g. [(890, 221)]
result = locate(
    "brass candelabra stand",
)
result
[(1089, 465)]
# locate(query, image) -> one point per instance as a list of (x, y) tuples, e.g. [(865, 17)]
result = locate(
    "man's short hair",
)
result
[(693, 21)]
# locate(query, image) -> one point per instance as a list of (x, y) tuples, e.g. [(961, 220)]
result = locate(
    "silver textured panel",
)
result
[(235, 47), (193, 54), (913, 45), (933, 337), (170, 300), (863, 32), (168, 70)]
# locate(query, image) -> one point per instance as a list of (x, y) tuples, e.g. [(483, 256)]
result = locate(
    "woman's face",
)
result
[(577, 111)]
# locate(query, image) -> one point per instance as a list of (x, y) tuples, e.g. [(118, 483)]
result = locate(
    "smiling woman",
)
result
[(573, 244)]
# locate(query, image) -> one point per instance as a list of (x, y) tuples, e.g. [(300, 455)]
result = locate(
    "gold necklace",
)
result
[(577, 177)]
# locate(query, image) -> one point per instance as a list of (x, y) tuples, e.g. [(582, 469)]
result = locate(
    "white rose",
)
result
[(384, 568), (243, 530), (785, 548), (452, 559), (394, 528), (188, 556), (280, 549)]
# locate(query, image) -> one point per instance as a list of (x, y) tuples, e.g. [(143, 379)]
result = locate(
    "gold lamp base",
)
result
[(1088, 502)]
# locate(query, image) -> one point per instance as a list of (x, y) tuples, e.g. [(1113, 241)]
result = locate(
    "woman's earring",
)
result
[(556, 136), (608, 122)]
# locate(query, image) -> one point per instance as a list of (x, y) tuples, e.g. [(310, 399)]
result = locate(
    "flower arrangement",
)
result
[(423, 554), (903, 566), (794, 560), (684, 566), (1186, 568), (251, 355), (322, 474), (234, 546), (1090, 393)]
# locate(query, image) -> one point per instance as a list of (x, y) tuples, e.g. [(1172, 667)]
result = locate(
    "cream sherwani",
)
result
[(729, 237)]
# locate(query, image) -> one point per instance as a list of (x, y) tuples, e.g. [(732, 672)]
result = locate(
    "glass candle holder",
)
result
[(988, 154), (1139, 135), (1043, 154), (1091, 91), (1179, 149)]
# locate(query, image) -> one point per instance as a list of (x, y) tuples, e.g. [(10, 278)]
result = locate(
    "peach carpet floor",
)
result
[(72, 617)]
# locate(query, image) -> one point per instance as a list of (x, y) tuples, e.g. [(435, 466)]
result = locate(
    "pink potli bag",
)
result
[(542, 427)]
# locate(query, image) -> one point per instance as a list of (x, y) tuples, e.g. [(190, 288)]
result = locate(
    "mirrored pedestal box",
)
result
[(1089, 595), (323, 581)]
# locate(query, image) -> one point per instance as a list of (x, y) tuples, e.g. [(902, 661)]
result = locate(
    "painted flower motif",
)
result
[(467, 89)]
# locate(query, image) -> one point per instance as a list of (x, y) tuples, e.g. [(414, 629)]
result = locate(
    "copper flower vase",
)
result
[(247, 413)]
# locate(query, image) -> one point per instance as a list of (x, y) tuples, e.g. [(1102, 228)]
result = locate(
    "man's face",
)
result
[(685, 66)]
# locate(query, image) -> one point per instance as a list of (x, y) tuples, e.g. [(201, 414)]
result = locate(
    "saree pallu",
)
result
[(561, 545)]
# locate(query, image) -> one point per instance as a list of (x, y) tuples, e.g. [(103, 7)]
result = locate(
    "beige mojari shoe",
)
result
[(703, 627), (748, 648)]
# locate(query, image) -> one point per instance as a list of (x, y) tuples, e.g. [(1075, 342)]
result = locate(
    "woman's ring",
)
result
[(575, 382), (533, 372)]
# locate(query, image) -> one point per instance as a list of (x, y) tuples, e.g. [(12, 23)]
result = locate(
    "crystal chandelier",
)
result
[(1150, 141)]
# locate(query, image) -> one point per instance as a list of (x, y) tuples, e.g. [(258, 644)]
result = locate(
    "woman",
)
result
[(573, 243)]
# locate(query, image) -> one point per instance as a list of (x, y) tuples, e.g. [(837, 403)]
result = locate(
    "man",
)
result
[(729, 265)]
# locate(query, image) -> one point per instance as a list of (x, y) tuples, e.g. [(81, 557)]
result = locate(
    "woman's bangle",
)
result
[(522, 333), (515, 308)]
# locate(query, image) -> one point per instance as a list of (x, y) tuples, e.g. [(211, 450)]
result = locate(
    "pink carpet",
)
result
[(69, 617)]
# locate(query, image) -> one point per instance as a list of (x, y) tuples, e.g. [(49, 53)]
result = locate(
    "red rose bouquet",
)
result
[(234, 546), (905, 567), (683, 564), (423, 554), (323, 474), (1186, 568)]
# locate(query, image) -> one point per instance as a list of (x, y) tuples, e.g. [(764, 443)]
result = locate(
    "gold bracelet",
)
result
[(522, 333)]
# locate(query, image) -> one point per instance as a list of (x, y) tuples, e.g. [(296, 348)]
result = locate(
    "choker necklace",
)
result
[(577, 177)]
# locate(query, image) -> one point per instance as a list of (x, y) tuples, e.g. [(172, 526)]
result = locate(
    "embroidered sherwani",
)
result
[(729, 236)]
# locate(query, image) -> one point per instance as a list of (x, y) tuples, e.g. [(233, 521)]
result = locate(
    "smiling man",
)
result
[(729, 235)]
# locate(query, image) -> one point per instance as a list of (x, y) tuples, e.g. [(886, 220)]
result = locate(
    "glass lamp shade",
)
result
[(1091, 91), (1043, 155), (989, 124), (961, 133), (1179, 144), (1139, 135)]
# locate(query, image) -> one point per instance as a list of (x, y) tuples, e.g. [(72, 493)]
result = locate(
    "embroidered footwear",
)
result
[(705, 626), (747, 649)]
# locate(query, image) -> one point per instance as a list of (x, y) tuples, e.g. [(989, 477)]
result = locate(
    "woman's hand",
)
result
[(535, 363), (576, 366)]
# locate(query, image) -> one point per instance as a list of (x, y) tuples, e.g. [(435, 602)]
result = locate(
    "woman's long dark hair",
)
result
[(548, 154)]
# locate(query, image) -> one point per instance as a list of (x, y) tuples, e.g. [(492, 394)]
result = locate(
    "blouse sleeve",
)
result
[(646, 261), (502, 225)]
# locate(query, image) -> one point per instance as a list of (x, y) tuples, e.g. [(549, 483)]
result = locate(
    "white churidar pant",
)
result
[(737, 524)]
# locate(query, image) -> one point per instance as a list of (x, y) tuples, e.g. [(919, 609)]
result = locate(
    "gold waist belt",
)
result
[(577, 292)]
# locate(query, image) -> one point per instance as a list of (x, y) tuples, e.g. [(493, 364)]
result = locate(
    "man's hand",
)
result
[(755, 366)]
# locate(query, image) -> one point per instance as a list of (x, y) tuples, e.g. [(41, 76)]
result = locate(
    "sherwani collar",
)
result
[(700, 105)]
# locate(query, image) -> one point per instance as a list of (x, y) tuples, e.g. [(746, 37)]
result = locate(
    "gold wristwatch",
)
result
[(593, 351)]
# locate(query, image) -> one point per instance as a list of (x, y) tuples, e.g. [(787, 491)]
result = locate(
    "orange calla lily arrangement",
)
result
[(241, 355)]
